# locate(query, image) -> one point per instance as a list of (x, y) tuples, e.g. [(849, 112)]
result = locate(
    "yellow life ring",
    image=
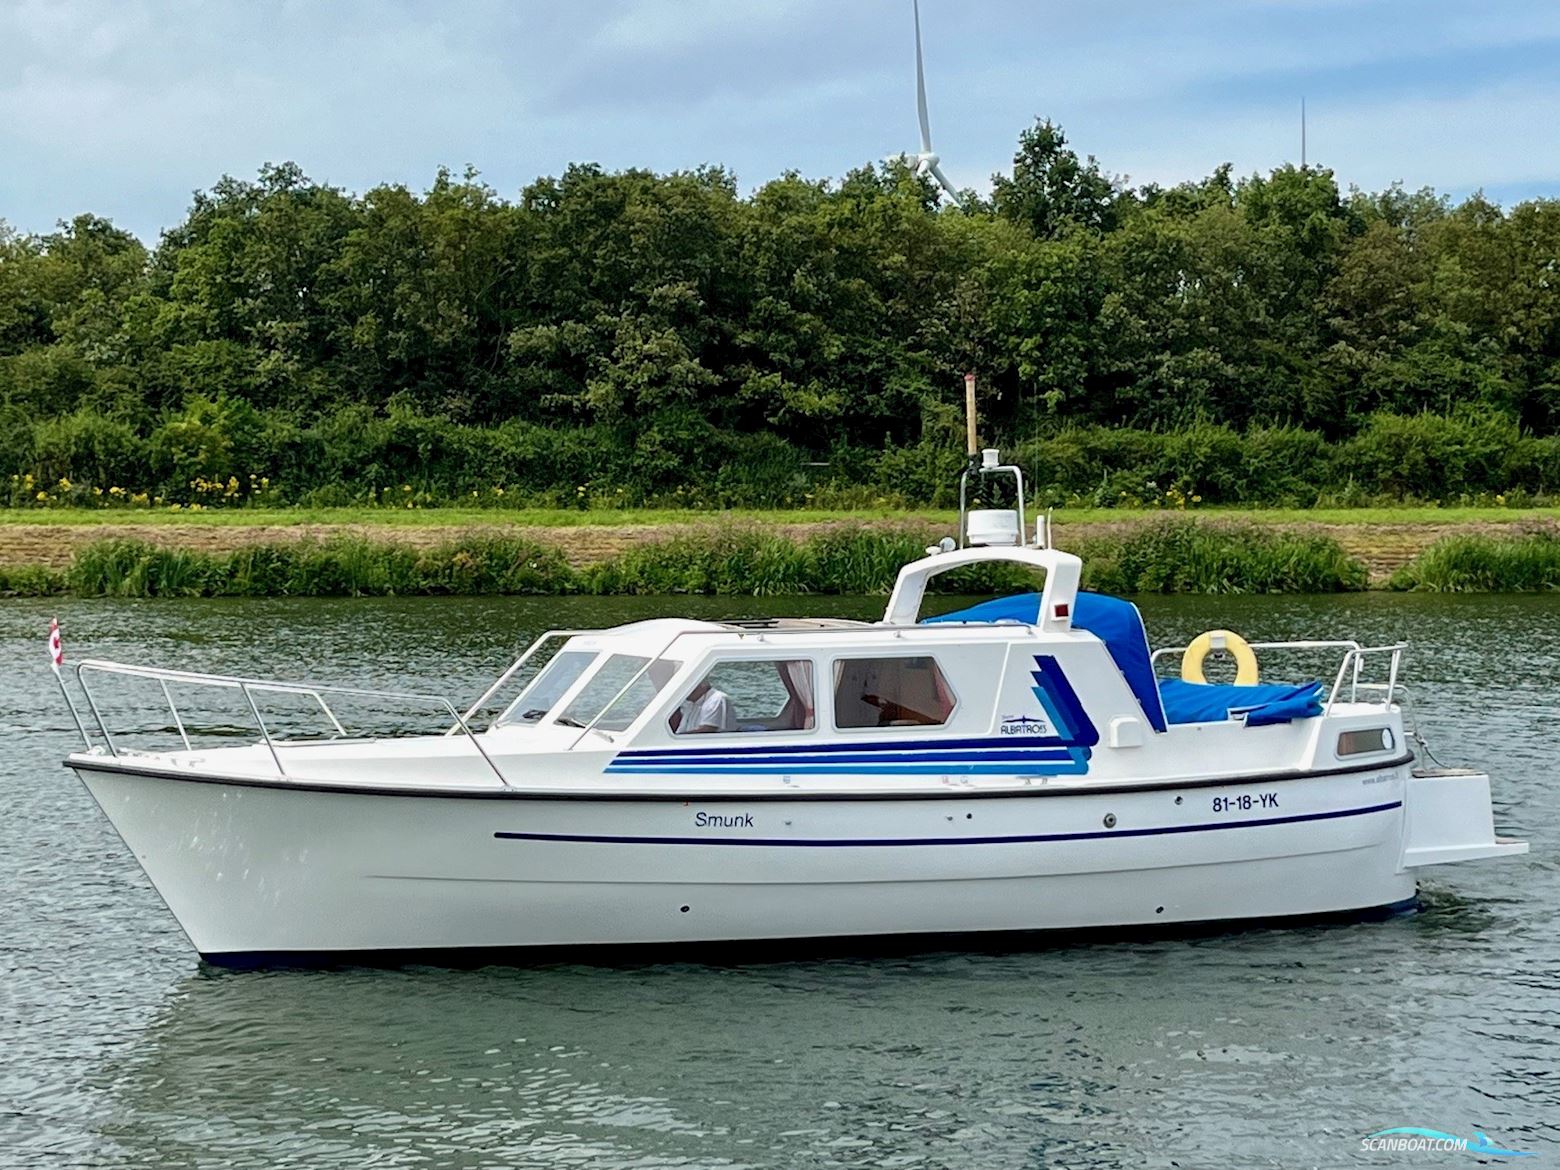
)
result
[(1204, 644)]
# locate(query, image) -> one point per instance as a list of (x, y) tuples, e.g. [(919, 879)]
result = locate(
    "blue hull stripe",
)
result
[(901, 842), (1060, 766)]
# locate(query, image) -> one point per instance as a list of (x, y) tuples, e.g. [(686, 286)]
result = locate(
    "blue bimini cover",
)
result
[(1113, 621), (1261, 705)]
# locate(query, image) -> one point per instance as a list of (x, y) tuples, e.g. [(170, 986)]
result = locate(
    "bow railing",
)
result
[(248, 688)]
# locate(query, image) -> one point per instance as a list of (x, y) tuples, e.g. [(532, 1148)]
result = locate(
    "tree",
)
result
[(1052, 191)]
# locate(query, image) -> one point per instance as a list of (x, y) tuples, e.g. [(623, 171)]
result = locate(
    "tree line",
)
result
[(626, 330)]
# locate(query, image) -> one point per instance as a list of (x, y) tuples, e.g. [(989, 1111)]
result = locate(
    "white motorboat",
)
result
[(1017, 766)]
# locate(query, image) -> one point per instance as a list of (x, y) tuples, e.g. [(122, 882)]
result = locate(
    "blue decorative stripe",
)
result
[(1061, 766), (1061, 703), (994, 760), (969, 757), (889, 745), (901, 842)]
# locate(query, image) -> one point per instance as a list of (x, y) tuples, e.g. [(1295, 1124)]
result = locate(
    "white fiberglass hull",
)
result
[(254, 871)]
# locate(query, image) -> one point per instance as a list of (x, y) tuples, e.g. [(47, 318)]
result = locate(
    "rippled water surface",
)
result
[(1255, 1048)]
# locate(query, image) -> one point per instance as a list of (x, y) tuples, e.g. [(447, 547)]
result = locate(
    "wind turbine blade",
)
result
[(937, 173), (920, 86)]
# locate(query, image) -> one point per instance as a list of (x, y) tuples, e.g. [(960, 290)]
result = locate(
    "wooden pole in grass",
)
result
[(969, 414)]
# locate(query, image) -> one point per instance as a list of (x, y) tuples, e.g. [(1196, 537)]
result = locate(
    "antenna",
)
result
[(1302, 133)]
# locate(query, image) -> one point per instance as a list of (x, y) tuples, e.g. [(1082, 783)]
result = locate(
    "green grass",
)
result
[(341, 567), (1174, 555), (1416, 514), (1525, 563)]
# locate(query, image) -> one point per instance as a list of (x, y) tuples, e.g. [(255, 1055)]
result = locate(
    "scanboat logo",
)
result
[(1414, 1139)]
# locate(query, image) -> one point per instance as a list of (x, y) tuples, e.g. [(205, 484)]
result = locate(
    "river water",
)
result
[(1260, 1047)]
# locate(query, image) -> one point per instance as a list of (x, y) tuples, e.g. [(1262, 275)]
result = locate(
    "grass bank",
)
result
[(1383, 539), (1525, 562), (1172, 555), (1169, 555)]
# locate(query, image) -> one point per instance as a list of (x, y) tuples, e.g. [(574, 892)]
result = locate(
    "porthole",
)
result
[(1365, 740)]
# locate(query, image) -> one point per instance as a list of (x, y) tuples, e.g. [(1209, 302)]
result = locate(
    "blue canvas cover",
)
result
[(1262, 704), (1113, 621)]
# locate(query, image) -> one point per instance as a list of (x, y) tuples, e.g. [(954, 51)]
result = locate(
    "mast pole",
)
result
[(969, 415)]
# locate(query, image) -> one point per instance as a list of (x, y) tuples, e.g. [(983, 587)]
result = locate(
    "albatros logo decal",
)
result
[(1024, 725), (1060, 747)]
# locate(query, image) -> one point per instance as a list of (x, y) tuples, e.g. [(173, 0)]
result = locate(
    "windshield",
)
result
[(548, 687), (589, 707)]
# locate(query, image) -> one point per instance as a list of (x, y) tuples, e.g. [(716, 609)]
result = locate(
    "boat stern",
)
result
[(1449, 818)]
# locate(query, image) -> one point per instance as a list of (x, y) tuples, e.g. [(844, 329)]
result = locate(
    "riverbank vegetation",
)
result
[(1173, 555), (619, 340), (315, 521), (1526, 562)]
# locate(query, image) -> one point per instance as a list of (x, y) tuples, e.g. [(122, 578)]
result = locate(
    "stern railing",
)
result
[(1347, 680)]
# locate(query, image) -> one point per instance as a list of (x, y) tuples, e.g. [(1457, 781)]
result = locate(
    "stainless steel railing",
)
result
[(248, 688), (1350, 667)]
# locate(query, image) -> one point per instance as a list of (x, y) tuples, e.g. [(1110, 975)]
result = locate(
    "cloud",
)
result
[(658, 26), (123, 107)]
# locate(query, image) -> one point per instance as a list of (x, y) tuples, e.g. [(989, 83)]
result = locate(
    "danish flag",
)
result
[(56, 650)]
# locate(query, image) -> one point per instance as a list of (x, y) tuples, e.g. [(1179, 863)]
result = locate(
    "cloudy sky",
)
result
[(123, 107)]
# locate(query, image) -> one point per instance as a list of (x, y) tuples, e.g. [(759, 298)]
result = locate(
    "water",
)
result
[(1253, 1048)]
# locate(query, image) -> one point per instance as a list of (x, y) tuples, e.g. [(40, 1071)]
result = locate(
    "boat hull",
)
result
[(255, 869)]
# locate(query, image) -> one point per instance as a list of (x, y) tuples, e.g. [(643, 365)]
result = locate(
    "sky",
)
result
[(125, 107)]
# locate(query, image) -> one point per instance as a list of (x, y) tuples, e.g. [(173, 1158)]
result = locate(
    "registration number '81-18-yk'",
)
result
[(1245, 802)]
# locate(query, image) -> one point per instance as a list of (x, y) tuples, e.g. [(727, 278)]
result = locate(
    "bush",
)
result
[(1173, 556), (1428, 457), (88, 449), (1526, 563), (1184, 556), (731, 562), (236, 455), (213, 439), (348, 567)]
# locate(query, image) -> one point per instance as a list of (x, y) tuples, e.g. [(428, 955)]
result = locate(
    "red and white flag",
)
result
[(56, 650)]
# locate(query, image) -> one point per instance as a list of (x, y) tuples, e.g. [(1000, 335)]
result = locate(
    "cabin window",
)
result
[(548, 687), (891, 692), (1359, 743), (746, 695), (605, 704)]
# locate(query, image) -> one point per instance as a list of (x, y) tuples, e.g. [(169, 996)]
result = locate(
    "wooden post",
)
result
[(969, 414)]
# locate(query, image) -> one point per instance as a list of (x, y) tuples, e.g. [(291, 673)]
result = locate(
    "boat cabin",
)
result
[(1043, 685)]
